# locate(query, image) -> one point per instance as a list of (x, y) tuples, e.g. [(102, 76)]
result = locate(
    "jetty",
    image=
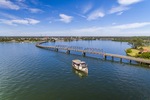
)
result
[(84, 51)]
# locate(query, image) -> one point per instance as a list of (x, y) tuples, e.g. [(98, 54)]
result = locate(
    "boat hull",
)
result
[(79, 68), (79, 73)]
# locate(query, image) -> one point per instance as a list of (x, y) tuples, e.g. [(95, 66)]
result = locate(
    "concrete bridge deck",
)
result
[(93, 51)]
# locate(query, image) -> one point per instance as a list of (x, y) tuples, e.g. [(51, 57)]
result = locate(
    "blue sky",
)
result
[(74, 17)]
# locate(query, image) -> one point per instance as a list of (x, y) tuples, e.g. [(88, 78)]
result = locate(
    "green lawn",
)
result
[(136, 51), (133, 53)]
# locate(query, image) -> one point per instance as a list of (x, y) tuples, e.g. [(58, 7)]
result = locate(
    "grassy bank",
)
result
[(137, 52)]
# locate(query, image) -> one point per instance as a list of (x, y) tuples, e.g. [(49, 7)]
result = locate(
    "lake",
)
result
[(31, 73)]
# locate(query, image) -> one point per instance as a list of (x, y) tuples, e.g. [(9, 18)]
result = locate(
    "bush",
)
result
[(128, 50), (145, 55)]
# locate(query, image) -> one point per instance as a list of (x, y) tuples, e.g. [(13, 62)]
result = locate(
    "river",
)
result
[(31, 73)]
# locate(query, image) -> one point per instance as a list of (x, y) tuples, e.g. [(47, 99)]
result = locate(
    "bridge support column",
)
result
[(130, 61), (141, 63), (83, 54), (105, 57), (121, 60), (68, 52), (56, 49), (112, 58)]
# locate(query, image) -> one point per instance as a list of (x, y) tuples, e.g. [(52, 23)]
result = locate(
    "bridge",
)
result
[(84, 51)]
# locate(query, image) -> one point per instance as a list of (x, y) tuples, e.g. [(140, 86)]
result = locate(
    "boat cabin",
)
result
[(79, 63)]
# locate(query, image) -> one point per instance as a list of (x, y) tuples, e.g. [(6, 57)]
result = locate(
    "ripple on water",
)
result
[(36, 74)]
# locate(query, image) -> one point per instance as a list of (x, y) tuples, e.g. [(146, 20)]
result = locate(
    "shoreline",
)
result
[(137, 53)]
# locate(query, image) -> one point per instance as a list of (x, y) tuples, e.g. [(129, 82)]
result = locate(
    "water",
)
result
[(31, 73)]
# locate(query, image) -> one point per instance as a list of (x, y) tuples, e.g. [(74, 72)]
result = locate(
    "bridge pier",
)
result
[(112, 58), (105, 57), (142, 63), (121, 60), (130, 61), (56, 49), (68, 52), (83, 54)]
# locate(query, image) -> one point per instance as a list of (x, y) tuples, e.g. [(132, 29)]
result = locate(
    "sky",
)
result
[(74, 17)]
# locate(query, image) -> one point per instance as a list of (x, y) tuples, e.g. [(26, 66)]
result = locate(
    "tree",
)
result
[(136, 42)]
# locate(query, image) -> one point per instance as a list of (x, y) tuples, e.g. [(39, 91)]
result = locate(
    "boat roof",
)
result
[(77, 61)]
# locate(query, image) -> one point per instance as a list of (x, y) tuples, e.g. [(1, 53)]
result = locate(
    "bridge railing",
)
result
[(93, 51), (77, 48)]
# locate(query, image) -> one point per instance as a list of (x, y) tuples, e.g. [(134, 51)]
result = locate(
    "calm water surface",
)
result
[(31, 73)]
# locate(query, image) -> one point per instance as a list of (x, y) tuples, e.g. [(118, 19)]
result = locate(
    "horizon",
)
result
[(73, 36), (101, 18)]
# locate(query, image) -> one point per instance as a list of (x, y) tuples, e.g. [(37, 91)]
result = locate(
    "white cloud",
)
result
[(111, 29), (118, 9), (35, 2), (20, 0), (131, 29), (19, 21), (87, 8), (32, 21), (4, 21), (83, 16), (34, 10), (95, 15), (65, 18), (131, 25), (128, 2), (15, 22), (8, 5), (123, 6), (22, 5), (120, 13), (8, 15)]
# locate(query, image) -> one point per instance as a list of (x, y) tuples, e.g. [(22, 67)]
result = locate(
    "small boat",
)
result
[(80, 65)]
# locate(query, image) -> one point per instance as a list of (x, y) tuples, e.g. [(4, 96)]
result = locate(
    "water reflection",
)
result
[(79, 73)]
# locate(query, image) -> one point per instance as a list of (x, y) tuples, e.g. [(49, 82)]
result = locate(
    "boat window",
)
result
[(83, 64)]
